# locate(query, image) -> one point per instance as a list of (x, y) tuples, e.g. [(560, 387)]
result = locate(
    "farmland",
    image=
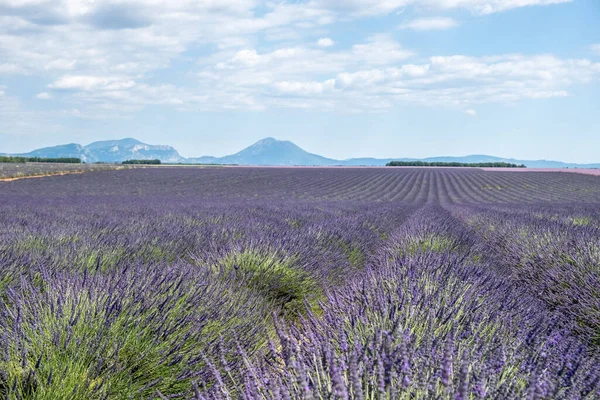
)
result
[(34, 169), (300, 283)]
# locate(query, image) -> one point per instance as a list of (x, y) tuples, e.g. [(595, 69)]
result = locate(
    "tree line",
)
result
[(146, 162), (453, 164), (60, 160)]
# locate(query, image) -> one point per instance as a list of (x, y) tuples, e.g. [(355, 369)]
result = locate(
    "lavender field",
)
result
[(300, 283)]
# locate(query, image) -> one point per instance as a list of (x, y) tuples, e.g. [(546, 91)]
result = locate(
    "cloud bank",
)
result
[(115, 57)]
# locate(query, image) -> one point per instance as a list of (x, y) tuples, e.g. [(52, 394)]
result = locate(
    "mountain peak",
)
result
[(129, 141), (269, 141), (270, 151), (117, 142)]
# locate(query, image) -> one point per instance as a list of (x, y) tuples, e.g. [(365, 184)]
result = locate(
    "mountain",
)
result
[(267, 151), (110, 151), (131, 149), (72, 150)]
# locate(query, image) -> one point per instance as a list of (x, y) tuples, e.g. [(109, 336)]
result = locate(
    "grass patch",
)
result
[(71, 355), (276, 278), (89, 339), (354, 254), (294, 222), (429, 243), (581, 221)]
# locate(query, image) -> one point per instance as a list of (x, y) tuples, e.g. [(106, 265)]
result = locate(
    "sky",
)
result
[(341, 78)]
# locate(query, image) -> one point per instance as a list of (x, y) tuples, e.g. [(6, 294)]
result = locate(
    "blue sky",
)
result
[(380, 78)]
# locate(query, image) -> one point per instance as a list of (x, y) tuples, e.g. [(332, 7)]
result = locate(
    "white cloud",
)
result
[(471, 112), (375, 7), (358, 79), (10, 68), (247, 57), (491, 6), (43, 96), (17, 119), (377, 50), (304, 88), (81, 82), (60, 64), (380, 50), (429, 24), (325, 42)]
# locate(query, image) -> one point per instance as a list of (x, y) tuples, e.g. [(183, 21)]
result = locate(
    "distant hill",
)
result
[(109, 151), (72, 150), (268, 151)]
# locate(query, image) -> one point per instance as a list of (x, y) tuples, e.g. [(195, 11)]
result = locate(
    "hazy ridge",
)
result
[(268, 151)]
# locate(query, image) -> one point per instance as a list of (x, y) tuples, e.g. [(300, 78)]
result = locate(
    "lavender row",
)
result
[(555, 252)]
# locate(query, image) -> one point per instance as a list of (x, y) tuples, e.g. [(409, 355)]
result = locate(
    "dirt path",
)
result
[(17, 178)]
